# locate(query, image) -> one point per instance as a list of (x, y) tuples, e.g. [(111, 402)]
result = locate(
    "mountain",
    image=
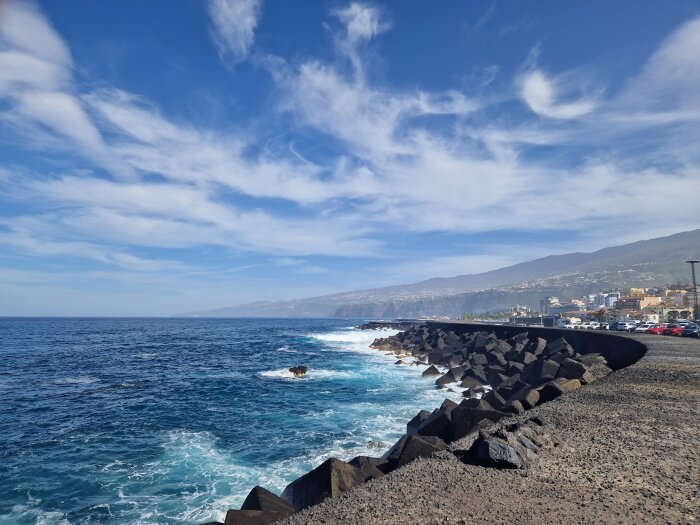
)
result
[(644, 263)]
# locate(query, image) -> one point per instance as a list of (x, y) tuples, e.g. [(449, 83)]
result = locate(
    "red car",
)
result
[(673, 329), (657, 330)]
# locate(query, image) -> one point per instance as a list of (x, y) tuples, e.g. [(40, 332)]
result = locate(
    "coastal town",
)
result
[(627, 309)]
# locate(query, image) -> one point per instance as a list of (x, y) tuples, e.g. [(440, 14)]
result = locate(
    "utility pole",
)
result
[(696, 312)]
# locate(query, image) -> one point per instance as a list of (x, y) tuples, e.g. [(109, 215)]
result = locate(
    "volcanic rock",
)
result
[(327, 480)]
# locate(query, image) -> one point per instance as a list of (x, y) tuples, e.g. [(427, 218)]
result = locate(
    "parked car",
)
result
[(673, 329), (657, 329), (642, 328), (691, 330), (682, 322), (625, 326), (604, 326)]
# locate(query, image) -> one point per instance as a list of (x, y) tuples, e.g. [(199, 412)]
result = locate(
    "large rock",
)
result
[(572, 369), (477, 404), (415, 423), (471, 382), (419, 447), (260, 498), (392, 455), (493, 452), (252, 517), (477, 372), (381, 464), (569, 385), (445, 379), (371, 468), (541, 371), (327, 480), (494, 399), (437, 424), (550, 391), (465, 419), (431, 371), (527, 395), (479, 359)]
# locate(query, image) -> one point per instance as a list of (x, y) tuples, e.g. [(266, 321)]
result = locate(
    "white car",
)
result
[(625, 326), (644, 327)]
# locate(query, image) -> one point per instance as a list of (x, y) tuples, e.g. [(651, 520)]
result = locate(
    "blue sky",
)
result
[(169, 156)]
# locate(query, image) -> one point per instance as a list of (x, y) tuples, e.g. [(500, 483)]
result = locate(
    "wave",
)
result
[(353, 335), (286, 349), (312, 373)]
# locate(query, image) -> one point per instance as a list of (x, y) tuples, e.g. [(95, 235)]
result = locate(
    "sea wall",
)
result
[(619, 351)]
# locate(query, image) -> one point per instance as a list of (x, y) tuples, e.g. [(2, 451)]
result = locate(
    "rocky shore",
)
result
[(505, 380)]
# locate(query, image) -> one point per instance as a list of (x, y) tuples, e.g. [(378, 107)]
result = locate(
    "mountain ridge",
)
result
[(652, 262)]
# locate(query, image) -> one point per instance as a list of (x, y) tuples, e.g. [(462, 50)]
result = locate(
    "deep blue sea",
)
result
[(173, 421)]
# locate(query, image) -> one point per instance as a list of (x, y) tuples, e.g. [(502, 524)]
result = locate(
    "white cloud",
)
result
[(36, 80), (668, 83), (24, 27), (362, 21), (234, 27), (542, 94)]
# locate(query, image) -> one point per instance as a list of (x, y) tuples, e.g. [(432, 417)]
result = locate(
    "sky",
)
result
[(170, 156)]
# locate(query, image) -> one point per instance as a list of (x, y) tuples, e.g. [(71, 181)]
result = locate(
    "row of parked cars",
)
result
[(682, 327)]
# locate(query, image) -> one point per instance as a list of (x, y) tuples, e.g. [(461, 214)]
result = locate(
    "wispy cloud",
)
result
[(234, 23), (543, 93)]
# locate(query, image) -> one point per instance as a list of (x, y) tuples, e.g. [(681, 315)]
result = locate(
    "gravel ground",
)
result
[(629, 454)]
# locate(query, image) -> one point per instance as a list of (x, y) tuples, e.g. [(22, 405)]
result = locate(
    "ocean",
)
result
[(173, 421)]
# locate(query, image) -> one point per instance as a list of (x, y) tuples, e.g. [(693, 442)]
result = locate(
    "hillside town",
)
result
[(664, 304)]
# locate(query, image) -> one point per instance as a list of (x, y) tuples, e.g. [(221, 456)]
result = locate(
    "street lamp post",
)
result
[(696, 312)]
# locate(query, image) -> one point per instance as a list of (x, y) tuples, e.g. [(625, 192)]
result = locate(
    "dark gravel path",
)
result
[(630, 453)]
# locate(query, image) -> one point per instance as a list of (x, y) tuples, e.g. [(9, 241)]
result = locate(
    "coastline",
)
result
[(553, 347), (627, 456)]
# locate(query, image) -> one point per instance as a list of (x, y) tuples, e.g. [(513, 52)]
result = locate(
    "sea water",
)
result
[(173, 421)]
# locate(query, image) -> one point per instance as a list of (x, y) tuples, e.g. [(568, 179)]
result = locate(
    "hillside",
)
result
[(644, 263)]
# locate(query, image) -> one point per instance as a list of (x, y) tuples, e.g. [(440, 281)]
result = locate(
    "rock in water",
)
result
[(298, 371)]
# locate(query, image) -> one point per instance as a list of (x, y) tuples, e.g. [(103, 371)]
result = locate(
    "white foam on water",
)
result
[(286, 349), (207, 477), (146, 356), (353, 335), (31, 513), (312, 373), (80, 380)]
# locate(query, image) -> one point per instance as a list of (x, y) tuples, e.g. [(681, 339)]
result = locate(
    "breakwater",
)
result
[(502, 376)]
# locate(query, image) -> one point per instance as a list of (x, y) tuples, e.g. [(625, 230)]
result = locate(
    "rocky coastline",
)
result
[(501, 380)]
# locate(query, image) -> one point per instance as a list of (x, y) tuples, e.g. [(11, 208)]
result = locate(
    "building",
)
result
[(546, 303), (612, 298), (637, 303), (666, 313), (559, 309)]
